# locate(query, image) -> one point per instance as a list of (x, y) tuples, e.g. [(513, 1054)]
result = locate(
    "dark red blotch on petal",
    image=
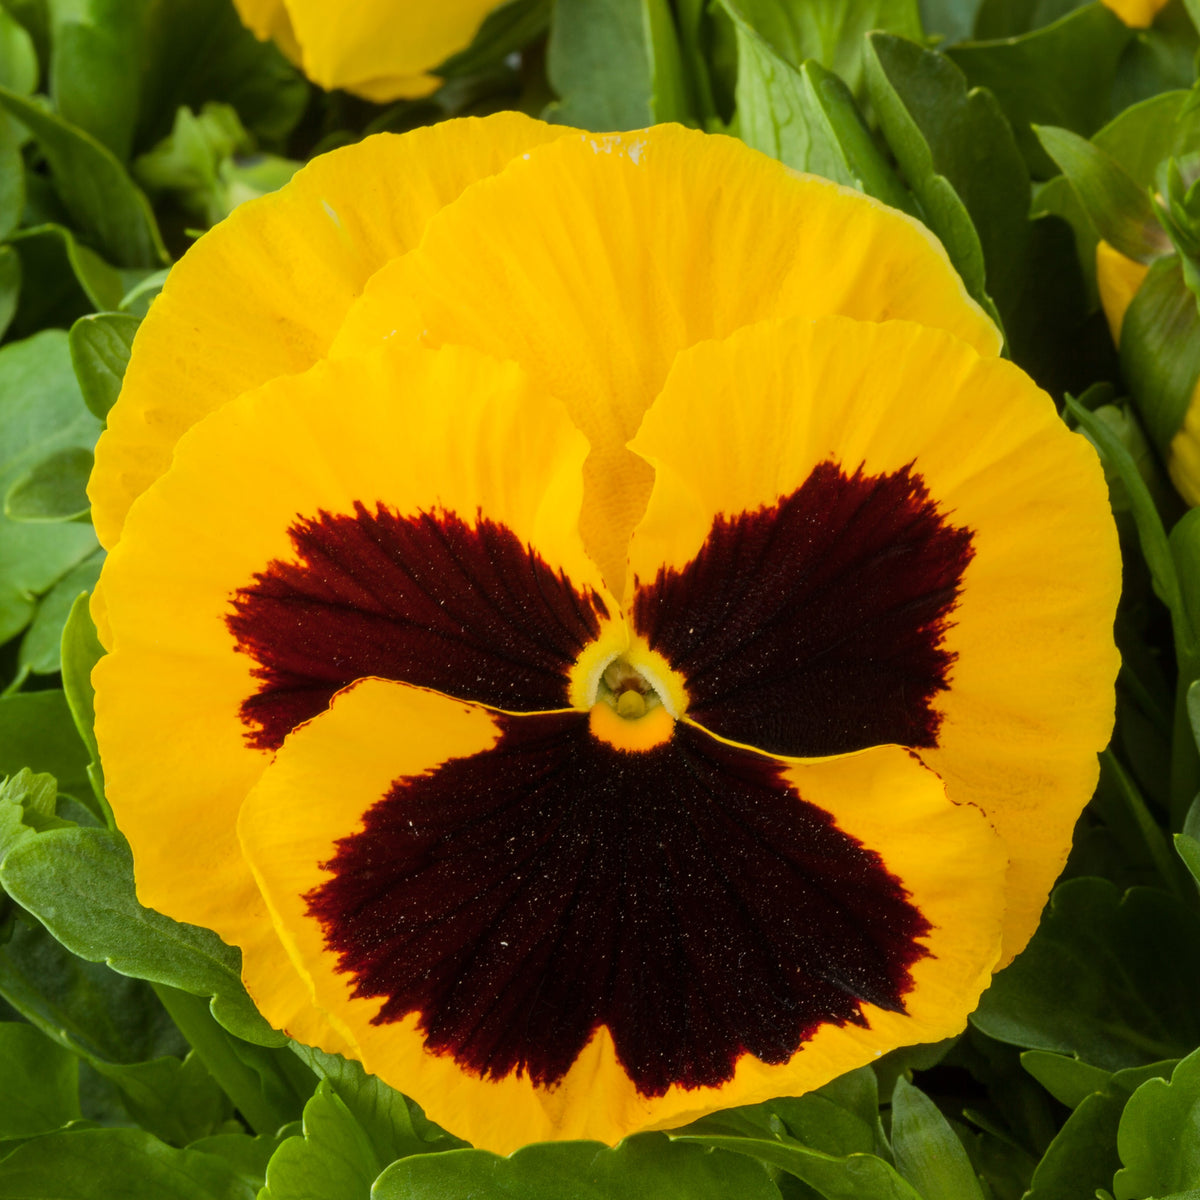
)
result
[(427, 599), (814, 625), (684, 897)]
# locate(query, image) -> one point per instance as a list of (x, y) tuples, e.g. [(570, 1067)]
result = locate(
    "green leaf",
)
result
[(10, 286), (18, 59), (93, 44), (1159, 1136), (81, 651), (928, 1154), (41, 412), (940, 133), (1082, 1158), (1026, 75), (506, 29), (806, 117), (104, 202), (395, 1125), (39, 1083), (54, 489), (333, 1158), (599, 64), (642, 1166), (248, 1155), (177, 1100), (1160, 349), (1118, 208), (830, 32), (85, 1007), (79, 884), (1068, 1080), (100, 1164), (100, 348), (197, 51), (36, 731), (836, 1177), (670, 99), (1107, 977), (41, 647)]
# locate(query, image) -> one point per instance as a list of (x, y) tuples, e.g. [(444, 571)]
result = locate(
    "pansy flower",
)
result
[(377, 49), (595, 621)]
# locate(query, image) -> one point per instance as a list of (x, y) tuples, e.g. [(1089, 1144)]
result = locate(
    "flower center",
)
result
[(629, 711), (624, 688)]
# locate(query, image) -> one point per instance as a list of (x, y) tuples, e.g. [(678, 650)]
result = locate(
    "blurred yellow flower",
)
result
[(378, 49), (1138, 14)]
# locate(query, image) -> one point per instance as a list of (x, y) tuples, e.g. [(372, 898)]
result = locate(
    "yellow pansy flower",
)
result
[(1138, 14), (377, 49), (596, 623)]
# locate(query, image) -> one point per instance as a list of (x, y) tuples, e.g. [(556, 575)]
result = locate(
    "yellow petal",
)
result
[(175, 751), (268, 20), (1139, 14), (744, 422), (1183, 455), (263, 293), (380, 49), (379, 735), (1118, 279), (595, 260)]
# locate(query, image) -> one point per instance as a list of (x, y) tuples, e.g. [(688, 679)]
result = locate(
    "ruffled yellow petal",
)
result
[(1139, 14), (743, 422), (263, 294), (379, 49), (332, 770), (1118, 279), (174, 749), (595, 260)]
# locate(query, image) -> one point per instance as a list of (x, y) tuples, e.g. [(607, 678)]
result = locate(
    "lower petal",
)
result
[(538, 935)]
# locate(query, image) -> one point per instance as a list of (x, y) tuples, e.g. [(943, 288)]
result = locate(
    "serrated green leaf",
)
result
[(1082, 1157), (96, 190), (836, 1177), (1107, 977), (54, 489), (79, 884), (1159, 1135), (645, 1165), (100, 1164), (1026, 75), (829, 32), (939, 133), (1118, 208), (247, 1155), (41, 647), (928, 1154), (334, 1157), (93, 44), (395, 1125)]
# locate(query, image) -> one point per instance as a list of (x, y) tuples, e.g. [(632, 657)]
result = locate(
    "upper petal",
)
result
[(593, 261), (264, 293), (341, 523), (868, 532)]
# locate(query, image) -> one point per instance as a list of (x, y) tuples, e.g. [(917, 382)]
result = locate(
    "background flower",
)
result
[(376, 49)]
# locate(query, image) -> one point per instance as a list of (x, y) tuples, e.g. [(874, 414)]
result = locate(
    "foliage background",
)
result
[(132, 1064)]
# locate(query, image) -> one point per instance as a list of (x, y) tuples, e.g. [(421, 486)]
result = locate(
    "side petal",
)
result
[(594, 261), (865, 533), (264, 293), (341, 523), (538, 936), (1118, 279), (379, 49)]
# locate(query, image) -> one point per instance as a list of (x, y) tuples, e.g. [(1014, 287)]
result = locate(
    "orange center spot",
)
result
[(644, 732)]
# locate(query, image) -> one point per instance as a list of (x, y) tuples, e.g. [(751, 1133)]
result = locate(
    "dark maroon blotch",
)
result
[(684, 897), (814, 625), (429, 599)]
